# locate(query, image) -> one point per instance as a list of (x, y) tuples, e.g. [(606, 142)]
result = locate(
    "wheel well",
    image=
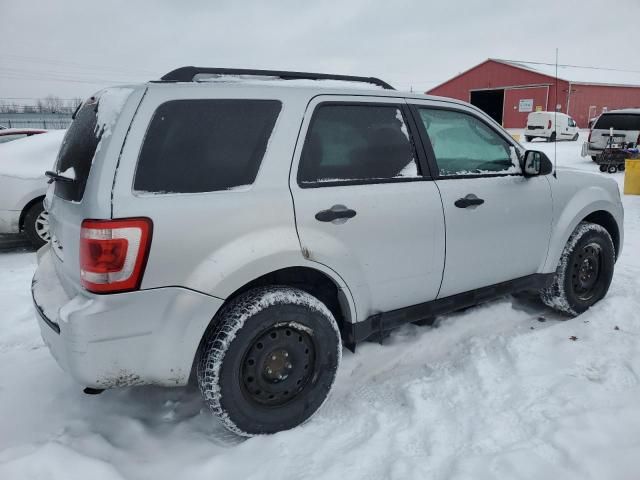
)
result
[(606, 220), (311, 281), (26, 208)]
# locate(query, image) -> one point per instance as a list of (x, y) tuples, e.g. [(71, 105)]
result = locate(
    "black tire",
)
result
[(603, 168), (621, 167), (575, 138), (612, 169), (585, 271), (36, 225), (594, 158), (552, 138), (528, 139), (270, 363)]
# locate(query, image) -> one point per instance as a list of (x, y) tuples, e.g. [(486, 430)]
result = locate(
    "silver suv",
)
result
[(617, 129), (244, 225)]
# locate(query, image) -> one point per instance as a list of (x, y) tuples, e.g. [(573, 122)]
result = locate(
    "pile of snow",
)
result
[(30, 157), (507, 390)]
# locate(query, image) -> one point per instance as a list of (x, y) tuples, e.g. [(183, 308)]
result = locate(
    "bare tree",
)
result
[(53, 104)]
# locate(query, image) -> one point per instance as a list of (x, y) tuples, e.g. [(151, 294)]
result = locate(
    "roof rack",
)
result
[(188, 74)]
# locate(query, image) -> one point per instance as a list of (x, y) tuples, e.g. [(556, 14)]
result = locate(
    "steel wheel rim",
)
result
[(587, 267), (278, 365), (42, 226)]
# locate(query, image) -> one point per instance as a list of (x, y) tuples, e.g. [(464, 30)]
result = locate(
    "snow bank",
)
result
[(30, 157)]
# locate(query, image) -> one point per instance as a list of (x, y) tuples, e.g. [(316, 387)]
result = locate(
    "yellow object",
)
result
[(632, 177), (516, 136)]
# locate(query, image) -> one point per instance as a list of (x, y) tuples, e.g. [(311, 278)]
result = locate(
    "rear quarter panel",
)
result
[(216, 242)]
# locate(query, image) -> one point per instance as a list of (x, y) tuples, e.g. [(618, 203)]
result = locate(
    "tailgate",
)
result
[(87, 159)]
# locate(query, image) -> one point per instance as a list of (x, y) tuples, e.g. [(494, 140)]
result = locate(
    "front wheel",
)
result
[(271, 361), (528, 139), (585, 270)]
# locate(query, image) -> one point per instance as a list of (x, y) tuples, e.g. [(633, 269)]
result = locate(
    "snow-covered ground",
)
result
[(507, 390)]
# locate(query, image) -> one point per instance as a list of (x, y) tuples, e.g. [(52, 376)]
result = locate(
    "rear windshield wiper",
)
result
[(53, 176)]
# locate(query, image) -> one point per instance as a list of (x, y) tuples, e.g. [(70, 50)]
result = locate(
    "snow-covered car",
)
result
[(244, 225), (23, 184), (10, 134)]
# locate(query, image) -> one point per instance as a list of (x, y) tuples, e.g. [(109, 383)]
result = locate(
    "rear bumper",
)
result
[(9, 221), (135, 338)]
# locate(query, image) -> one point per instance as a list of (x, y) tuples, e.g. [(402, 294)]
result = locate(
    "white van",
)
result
[(542, 125)]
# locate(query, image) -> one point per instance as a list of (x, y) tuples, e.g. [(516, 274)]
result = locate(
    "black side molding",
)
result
[(353, 333), (187, 74)]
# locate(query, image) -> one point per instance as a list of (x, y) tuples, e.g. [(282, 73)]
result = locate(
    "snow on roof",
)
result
[(276, 81), (578, 74)]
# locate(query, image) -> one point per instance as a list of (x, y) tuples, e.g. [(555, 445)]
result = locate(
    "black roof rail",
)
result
[(187, 74)]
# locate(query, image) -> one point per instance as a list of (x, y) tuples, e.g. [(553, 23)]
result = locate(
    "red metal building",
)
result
[(508, 90)]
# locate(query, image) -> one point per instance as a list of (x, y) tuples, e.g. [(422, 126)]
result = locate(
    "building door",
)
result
[(490, 102)]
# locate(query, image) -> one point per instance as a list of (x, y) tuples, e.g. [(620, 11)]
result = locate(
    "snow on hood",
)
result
[(30, 157)]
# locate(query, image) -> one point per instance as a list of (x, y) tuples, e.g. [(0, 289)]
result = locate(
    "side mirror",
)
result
[(536, 163)]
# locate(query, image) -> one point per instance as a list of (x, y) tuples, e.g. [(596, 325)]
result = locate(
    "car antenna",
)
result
[(555, 124)]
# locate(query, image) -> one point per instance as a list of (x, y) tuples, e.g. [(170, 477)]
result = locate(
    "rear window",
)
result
[(77, 150), (619, 121), (196, 146)]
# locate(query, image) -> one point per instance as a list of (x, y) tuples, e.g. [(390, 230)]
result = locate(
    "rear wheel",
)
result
[(612, 169), (594, 158), (528, 139), (603, 168), (36, 225), (575, 138), (271, 362), (552, 138), (585, 270)]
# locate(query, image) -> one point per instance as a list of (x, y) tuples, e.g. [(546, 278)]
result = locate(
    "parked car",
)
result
[(543, 125), (10, 134), (23, 184), (246, 229), (622, 126)]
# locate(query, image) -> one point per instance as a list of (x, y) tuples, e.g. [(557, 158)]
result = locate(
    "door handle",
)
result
[(337, 212), (468, 201)]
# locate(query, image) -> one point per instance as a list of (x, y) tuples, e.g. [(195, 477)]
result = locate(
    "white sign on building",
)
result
[(526, 105)]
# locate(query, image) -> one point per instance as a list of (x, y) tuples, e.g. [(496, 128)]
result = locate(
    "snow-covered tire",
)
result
[(270, 362), (585, 270), (36, 225)]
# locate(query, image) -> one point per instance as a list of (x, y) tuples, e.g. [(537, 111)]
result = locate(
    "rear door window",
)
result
[(194, 146), (357, 143), (618, 121)]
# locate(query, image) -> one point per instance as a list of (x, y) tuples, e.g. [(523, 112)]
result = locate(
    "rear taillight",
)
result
[(113, 253), (549, 125)]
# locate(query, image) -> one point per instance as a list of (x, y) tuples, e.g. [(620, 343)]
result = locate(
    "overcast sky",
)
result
[(72, 48)]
